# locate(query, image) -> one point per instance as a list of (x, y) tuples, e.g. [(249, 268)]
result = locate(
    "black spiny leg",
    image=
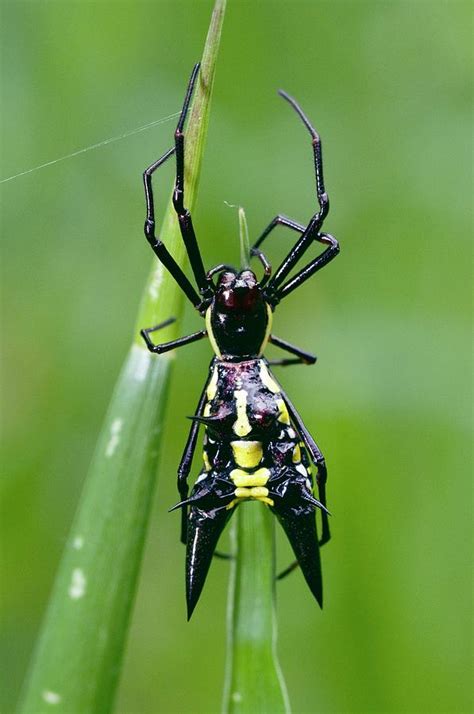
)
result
[(184, 216), (187, 459), (319, 262), (290, 569), (173, 344), (191, 443), (301, 357), (278, 221), (318, 458), (311, 232), (157, 245)]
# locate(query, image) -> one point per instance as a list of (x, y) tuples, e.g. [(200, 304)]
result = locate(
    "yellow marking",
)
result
[(268, 329), (283, 417), (255, 492), (212, 386), (267, 379), (263, 499), (210, 334), (242, 426), (205, 458), (296, 458), (247, 454), (207, 410), (243, 479), (242, 493)]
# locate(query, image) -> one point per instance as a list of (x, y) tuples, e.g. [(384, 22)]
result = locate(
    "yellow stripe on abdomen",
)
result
[(247, 454), (242, 479), (242, 426)]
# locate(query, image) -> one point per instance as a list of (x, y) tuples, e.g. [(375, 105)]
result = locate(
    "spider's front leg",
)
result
[(275, 289), (319, 262), (184, 215), (205, 286), (159, 248)]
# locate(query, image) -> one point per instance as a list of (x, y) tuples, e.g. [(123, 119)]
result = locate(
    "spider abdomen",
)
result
[(251, 452)]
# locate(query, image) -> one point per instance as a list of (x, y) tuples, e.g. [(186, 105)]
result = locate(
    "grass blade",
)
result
[(254, 682), (244, 241), (77, 660)]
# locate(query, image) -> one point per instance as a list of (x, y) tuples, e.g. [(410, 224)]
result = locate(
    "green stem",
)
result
[(254, 682), (244, 240), (76, 663)]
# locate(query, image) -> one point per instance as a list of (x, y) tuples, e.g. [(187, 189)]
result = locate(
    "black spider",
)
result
[(256, 446)]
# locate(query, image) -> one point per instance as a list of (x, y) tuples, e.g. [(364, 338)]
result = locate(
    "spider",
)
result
[(256, 446)]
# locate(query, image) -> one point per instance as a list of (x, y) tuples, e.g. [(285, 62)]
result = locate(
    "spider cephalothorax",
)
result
[(256, 446), (238, 318)]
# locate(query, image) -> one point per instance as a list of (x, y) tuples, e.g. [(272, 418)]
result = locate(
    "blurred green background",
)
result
[(388, 86)]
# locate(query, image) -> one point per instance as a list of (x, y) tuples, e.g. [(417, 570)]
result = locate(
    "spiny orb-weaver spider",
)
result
[(256, 446)]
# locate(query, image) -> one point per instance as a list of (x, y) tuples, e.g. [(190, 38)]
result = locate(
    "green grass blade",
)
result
[(244, 240), (76, 664), (254, 682)]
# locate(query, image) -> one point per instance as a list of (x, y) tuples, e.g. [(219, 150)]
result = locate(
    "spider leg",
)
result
[(279, 220), (184, 216), (187, 459), (267, 268), (159, 248), (290, 569), (319, 262), (167, 346), (318, 459), (302, 357), (312, 230)]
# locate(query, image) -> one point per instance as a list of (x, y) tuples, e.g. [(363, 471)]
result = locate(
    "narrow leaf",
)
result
[(77, 660), (254, 682), (244, 240)]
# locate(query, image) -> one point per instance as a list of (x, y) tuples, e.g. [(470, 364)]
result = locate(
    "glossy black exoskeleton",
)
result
[(256, 446)]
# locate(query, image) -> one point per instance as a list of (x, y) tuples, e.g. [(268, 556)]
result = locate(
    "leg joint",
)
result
[(149, 229), (178, 201), (329, 239)]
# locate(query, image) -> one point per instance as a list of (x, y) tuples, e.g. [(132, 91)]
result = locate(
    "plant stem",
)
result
[(254, 682)]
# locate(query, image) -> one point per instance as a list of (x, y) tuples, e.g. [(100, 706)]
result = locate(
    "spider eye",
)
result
[(226, 279)]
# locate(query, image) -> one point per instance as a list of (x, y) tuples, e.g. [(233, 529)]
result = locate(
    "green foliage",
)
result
[(244, 240), (77, 661)]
